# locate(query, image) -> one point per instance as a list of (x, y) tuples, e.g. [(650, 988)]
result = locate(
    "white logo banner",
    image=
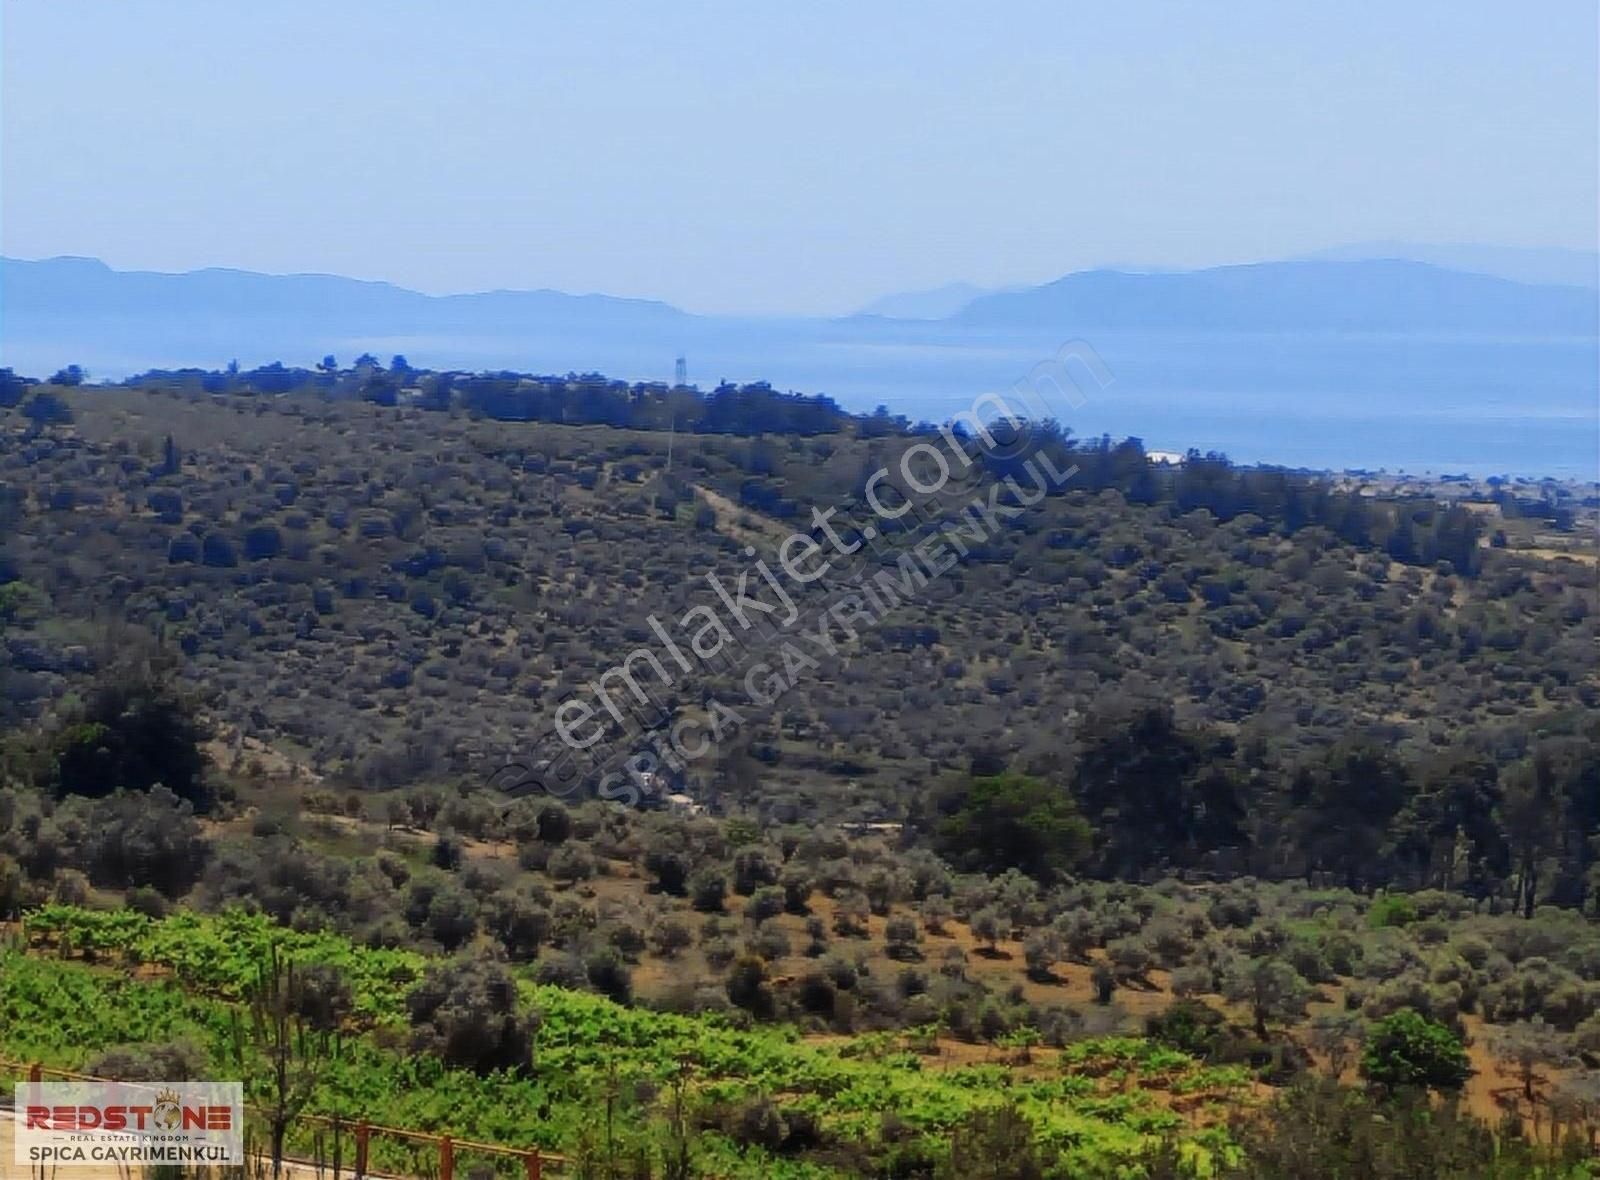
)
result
[(95, 1124)]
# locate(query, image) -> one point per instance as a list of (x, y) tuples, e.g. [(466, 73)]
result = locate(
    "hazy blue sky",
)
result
[(747, 156)]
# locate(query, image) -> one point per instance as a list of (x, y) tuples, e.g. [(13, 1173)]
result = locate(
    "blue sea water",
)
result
[(1415, 404), (1482, 407)]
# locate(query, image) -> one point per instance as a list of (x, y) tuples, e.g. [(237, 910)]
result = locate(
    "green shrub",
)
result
[(1188, 1025), (999, 1144), (1319, 1130), (1406, 1049), (1393, 909)]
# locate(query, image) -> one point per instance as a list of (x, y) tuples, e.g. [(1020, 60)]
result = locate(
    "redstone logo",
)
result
[(185, 1124), (126, 1118)]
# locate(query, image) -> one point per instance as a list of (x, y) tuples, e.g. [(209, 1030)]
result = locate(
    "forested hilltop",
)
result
[(1198, 820)]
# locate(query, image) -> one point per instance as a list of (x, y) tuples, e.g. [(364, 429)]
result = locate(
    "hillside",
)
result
[(393, 594), (1106, 822)]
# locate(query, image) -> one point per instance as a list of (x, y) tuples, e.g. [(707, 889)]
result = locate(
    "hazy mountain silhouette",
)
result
[(1385, 295), (78, 310), (120, 322), (83, 298), (1521, 264), (1330, 364), (83, 288)]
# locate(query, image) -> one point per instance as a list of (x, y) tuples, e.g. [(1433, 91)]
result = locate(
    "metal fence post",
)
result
[(362, 1133), (535, 1166), (447, 1158)]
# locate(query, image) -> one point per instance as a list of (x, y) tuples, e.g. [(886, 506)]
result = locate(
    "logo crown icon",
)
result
[(167, 1097)]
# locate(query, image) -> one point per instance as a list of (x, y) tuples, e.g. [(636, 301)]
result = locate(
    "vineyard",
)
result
[(83, 981)]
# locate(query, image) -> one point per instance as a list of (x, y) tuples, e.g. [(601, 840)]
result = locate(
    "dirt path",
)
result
[(743, 524)]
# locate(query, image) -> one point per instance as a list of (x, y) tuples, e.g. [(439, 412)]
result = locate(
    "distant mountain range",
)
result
[(118, 322), (1381, 295), (95, 315), (1520, 264), (83, 289), (1320, 362)]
